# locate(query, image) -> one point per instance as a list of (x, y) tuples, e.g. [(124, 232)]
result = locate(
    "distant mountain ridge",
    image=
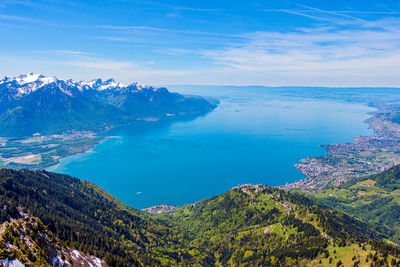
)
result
[(34, 103), (28, 83)]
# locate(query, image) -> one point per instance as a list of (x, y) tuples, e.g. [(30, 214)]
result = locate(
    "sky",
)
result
[(271, 43)]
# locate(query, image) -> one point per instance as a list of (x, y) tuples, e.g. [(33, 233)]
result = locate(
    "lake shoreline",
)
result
[(364, 156), (185, 161), (52, 148)]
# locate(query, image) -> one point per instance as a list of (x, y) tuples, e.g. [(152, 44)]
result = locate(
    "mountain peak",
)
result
[(34, 103), (100, 85), (33, 77), (30, 82), (27, 83)]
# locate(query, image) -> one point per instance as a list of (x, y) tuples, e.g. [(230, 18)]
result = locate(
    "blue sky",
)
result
[(314, 43)]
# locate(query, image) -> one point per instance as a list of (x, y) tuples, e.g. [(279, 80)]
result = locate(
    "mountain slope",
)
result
[(38, 104), (249, 225), (374, 198), (27, 241), (84, 217), (259, 225)]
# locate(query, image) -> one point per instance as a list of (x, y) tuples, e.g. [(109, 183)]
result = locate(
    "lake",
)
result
[(256, 135)]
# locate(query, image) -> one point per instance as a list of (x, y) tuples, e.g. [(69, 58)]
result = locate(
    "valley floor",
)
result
[(42, 151)]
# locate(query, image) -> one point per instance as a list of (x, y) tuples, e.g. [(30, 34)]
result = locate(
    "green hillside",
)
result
[(374, 199), (246, 226), (264, 226)]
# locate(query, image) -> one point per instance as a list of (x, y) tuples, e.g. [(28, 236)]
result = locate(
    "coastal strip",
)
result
[(364, 156)]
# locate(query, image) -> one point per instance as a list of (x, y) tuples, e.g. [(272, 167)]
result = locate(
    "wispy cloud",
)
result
[(193, 45), (158, 38), (200, 9), (183, 8), (86, 60), (94, 63), (18, 18), (336, 12), (343, 17), (315, 54), (140, 28), (5, 3), (332, 13), (368, 12), (339, 17), (65, 52), (303, 14), (85, 66), (112, 38)]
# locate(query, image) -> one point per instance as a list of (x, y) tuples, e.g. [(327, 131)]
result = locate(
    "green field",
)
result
[(39, 152), (374, 199)]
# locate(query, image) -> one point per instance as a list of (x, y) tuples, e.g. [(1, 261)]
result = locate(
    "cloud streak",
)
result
[(314, 55), (81, 65), (19, 19), (139, 28), (320, 47)]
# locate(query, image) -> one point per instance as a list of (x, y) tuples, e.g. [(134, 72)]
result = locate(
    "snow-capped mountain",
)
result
[(28, 83), (34, 103)]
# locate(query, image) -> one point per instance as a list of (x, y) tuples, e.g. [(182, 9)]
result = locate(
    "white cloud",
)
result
[(338, 49), (311, 56), (100, 64), (85, 66)]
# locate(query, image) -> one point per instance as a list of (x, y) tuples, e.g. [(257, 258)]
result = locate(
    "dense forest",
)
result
[(84, 217), (246, 226)]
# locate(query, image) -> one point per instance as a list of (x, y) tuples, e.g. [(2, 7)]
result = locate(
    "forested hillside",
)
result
[(246, 226), (84, 217)]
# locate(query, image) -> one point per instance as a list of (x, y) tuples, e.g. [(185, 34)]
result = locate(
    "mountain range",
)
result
[(34, 103)]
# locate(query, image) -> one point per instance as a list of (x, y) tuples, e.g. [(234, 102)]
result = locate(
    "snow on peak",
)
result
[(111, 84), (6, 79), (28, 83), (27, 78), (99, 85)]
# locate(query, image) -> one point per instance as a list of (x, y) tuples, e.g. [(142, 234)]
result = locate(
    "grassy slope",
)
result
[(265, 227), (374, 199)]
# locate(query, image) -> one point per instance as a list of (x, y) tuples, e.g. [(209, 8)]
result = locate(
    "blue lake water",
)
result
[(256, 135)]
